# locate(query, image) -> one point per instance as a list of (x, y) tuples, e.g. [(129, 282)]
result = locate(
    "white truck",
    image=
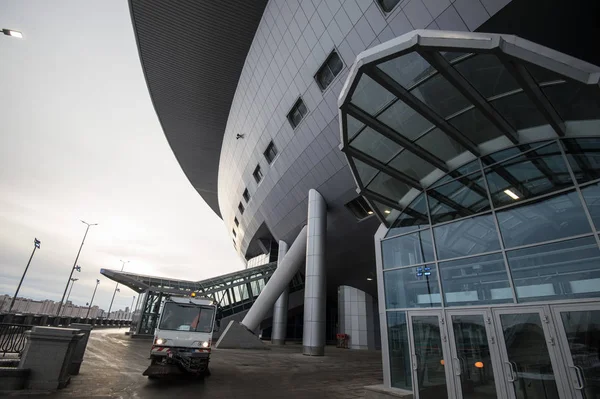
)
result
[(183, 338)]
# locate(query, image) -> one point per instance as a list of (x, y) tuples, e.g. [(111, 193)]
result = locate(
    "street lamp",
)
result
[(75, 267), (116, 287), (92, 301), (36, 245), (13, 33), (73, 279)]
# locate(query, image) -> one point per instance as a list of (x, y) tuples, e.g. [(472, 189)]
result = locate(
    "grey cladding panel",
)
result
[(192, 54)]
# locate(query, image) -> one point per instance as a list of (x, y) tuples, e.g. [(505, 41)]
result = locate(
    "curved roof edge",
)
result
[(192, 55)]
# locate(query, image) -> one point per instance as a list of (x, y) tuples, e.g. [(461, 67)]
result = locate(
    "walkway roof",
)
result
[(142, 282)]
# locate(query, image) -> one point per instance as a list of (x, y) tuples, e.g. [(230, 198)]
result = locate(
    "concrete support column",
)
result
[(280, 309), (278, 282), (313, 338)]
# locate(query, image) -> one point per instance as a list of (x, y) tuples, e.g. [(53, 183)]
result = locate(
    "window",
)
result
[(234, 233), (388, 5), (246, 195), (241, 208), (270, 152), (329, 70), (257, 174), (236, 221), (359, 208), (297, 113)]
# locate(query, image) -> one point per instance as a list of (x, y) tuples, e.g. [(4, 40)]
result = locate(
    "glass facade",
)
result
[(484, 165), (490, 244), (519, 227)]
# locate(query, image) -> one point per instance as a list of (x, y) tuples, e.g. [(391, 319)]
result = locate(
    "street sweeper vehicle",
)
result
[(183, 338)]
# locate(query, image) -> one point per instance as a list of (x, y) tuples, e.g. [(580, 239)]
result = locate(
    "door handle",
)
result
[(457, 367), (511, 371), (415, 366), (580, 379)]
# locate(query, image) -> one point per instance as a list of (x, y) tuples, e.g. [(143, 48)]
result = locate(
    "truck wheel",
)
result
[(207, 372)]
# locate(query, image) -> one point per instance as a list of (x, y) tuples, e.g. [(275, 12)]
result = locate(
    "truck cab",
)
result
[(183, 338)]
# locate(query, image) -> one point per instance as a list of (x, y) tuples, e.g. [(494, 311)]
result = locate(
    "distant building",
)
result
[(49, 307)]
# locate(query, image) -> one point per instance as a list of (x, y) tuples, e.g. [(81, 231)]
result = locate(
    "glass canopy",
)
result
[(421, 109)]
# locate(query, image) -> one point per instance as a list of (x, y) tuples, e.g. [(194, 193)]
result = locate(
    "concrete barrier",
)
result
[(48, 355), (79, 350)]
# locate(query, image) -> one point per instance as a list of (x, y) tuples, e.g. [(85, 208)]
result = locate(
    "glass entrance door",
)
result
[(579, 332), (429, 354), (475, 359), (529, 353)]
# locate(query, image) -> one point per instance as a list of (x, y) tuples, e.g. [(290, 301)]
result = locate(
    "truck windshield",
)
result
[(183, 317)]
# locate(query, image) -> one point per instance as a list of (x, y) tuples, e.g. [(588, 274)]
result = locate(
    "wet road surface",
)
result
[(113, 366)]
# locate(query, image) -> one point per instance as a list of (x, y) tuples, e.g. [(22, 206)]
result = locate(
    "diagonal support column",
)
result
[(313, 338), (280, 310), (277, 283)]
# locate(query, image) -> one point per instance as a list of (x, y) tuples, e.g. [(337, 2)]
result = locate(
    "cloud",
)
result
[(80, 140)]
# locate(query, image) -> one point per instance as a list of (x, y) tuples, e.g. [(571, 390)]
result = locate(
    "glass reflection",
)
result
[(375, 145), (399, 350), (583, 335), (502, 155), (441, 96), (365, 172), (388, 186), (370, 96), (408, 163), (528, 358), (466, 237), (548, 219), (534, 173), (519, 111), (487, 75), (406, 250), (473, 352), (463, 197), (431, 376), (584, 158), (475, 281), (591, 195), (407, 69), (414, 217), (440, 145), (475, 126), (404, 120), (567, 269), (353, 126), (413, 287), (459, 172), (574, 102)]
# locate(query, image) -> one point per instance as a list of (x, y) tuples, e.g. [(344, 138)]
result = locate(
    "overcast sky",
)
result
[(79, 139)]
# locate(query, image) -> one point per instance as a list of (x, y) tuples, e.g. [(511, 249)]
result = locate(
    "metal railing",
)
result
[(12, 338)]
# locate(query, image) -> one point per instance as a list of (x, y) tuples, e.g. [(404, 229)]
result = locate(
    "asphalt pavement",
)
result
[(114, 362)]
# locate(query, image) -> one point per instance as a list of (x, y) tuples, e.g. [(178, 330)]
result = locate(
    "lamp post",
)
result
[(92, 300), (13, 33), (73, 279), (75, 267), (36, 245), (116, 288), (131, 308)]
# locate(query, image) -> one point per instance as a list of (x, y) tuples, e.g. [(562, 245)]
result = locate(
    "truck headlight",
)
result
[(160, 341), (205, 344)]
